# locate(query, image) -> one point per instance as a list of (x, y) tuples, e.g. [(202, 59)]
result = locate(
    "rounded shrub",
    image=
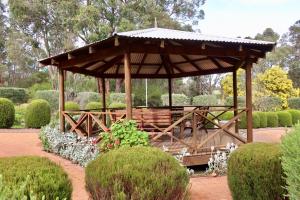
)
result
[(255, 121), (117, 105), (290, 162), (255, 172), (263, 119), (284, 119), (177, 100), (7, 113), (71, 105), (136, 173), (295, 116), (45, 177), (37, 114), (272, 119), (94, 105), (52, 96)]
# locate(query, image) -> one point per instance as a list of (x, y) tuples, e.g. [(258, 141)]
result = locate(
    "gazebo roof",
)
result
[(161, 53)]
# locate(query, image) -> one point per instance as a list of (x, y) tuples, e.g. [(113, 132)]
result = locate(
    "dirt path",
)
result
[(20, 142)]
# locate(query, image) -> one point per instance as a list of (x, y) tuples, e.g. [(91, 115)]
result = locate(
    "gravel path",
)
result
[(20, 142)]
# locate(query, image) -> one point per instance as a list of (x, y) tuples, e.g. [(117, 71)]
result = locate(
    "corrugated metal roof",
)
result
[(162, 33)]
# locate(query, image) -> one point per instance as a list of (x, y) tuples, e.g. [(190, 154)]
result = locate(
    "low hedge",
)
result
[(71, 105), (177, 100), (205, 100), (255, 121), (94, 105), (272, 119), (51, 96), (255, 172), (295, 116), (263, 119), (284, 119), (45, 177), (16, 95), (294, 103), (291, 161), (7, 113), (37, 114), (136, 173), (117, 105)]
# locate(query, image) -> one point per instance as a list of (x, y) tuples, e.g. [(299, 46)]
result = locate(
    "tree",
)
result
[(227, 84), (3, 37), (268, 35), (275, 82)]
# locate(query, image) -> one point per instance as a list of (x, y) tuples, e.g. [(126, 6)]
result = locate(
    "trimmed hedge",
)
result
[(94, 105), (295, 116), (291, 161), (136, 173), (227, 116), (272, 119), (7, 113), (51, 96), (117, 105), (267, 104), (284, 119), (294, 102), (71, 105), (45, 177), (255, 121), (16, 95), (83, 98), (255, 172), (263, 119), (205, 100), (37, 114), (20, 115), (241, 101), (177, 100)]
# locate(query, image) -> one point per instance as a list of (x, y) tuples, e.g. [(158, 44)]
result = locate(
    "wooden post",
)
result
[(235, 102), (170, 92), (127, 73), (61, 99), (103, 100), (249, 102)]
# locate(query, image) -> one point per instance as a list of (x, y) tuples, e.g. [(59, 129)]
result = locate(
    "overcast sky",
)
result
[(243, 18)]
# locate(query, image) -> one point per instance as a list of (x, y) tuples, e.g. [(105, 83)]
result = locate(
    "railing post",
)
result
[(249, 102), (235, 101), (61, 99), (103, 100), (127, 73)]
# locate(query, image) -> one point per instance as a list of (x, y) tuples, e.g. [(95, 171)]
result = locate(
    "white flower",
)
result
[(212, 148)]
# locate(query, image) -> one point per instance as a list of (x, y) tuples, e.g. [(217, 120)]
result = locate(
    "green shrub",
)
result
[(227, 116), (205, 100), (272, 119), (16, 95), (263, 119), (52, 96), (83, 98), (71, 105), (7, 113), (39, 86), (177, 100), (94, 105), (267, 104), (291, 162), (294, 103), (284, 119), (117, 105), (20, 115), (45, 177), (241, 101), (117, 97), (255, 172), (37, 114), (295, 116), (255, 121), (136, 173), (123, 133)]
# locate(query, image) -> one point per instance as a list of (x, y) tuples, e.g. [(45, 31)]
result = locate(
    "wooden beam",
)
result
[(158, 69), (127, 71), (61, 100), (142, 63), (249, 102), (170, 92), (216, 63), (191, 62), (235, 102), (109, 64)]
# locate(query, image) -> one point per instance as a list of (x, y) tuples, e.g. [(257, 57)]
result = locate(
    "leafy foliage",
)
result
[(255, 121), (241, 101), (290, 162), (7, 113), (136, 173), (177, 100), (123, 133), (117, 97), (205, 100), (272, 119), (267, 104), (83, 98), (262, 119), (295, 116), (20, 115), (45, 178), (255, 172), (71, 105), (37, 114), (93, 105), (49, 95), (294, 103), (226, 84), (38, 86), (16, 95), (284, 118), (117, 105)]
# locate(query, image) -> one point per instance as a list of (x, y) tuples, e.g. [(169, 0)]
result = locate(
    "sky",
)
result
[(233, 18)]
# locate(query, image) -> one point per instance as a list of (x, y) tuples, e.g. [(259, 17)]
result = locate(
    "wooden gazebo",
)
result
[(165, 54)]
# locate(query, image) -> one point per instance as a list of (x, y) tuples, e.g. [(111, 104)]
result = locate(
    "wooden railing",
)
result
[(160, 122)]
